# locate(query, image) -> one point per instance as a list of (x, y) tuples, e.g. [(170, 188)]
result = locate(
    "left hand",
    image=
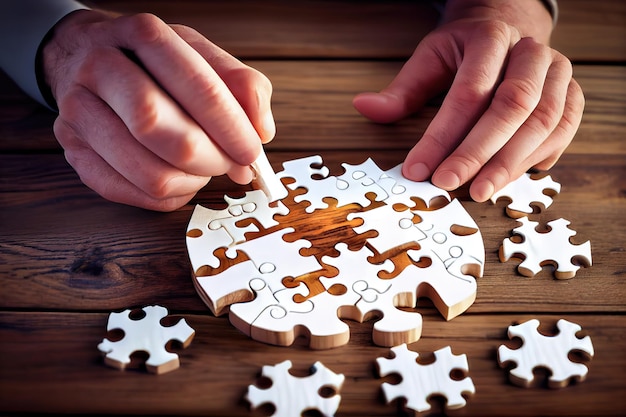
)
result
[(512, 105)]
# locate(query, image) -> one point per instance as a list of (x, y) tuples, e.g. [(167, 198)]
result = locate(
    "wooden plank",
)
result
[(63, 247), (591, 31), (50, 363), (587, 31), (312, 105), (299, 29)]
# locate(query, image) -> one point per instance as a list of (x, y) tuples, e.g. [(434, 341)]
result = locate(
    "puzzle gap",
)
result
[(312, 413), (137, 314), (327, 391)]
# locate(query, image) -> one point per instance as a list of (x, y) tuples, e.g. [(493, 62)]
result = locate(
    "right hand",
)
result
[(149, 112)]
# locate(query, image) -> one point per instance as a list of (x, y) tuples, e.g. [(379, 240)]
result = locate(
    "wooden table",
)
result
[(68, 257)]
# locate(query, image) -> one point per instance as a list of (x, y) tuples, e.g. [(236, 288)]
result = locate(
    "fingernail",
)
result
[(447, 180), (269, 127), (418, 172), (482, 191)]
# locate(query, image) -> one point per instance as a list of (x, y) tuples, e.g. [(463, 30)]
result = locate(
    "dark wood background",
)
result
[(68, 257)]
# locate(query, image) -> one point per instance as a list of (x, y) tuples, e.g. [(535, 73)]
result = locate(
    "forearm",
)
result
[(531, 17)]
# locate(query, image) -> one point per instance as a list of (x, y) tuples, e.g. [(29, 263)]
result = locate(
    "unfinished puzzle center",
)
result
[(363, 245)]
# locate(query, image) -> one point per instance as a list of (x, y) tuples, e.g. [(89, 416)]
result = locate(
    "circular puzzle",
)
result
[(363, 245)]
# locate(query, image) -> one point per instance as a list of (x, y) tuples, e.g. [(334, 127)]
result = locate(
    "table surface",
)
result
[(68, 257)]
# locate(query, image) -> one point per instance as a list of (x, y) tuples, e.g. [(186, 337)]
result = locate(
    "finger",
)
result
[(552, 149), (191, 82), (84, 116), (533, 139), (95, 173), (251, 88), (514, 100), (484, 57), (150, 115), (427, 73)]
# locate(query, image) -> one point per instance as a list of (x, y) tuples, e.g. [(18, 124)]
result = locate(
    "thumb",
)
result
[(423, 76)]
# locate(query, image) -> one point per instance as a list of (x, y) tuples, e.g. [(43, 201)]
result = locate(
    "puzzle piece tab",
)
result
[(540, 248), (147, 335), (291, 396), (525, 192), (550, 352), (421, 381)]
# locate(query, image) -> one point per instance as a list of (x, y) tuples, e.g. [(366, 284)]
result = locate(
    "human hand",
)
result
[(149, 112), (512, 104)]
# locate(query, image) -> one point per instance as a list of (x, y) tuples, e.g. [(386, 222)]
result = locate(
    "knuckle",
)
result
[(547, 115), (145, 118), (467, 164), (516, 96), (146, 28), (495, 29), (251, 79)]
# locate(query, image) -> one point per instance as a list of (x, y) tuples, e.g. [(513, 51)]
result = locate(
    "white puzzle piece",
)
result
[(292, 396), (203, 241), (394, 228), (525, 192), (540, 248), (147, 335), (421, 381), (400, 190), (550, 352)]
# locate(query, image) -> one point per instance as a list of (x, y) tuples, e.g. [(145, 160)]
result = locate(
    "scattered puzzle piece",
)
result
[(538, 249), (291, 396), (421, 381), (147, 335), (525, 192), (549, 352)]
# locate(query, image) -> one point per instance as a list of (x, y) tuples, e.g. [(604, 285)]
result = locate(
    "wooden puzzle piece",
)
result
[(146, 335), (525, 192), (394, 228), (322, 325), (401, 190), (305, 172), (228, 287), (356, 182), (253, 205), (203, 241), (350, 187), (421, 381), (550, 352), (276, 304), (453, 238), (292, 396), (276, 258), (451, 296), (538, 249)]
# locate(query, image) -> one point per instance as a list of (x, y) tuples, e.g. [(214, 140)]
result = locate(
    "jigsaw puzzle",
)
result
[(419, 382), (549, 352), (526, 192), (553, 247), (365, 244), (291, 396), (146, 335)]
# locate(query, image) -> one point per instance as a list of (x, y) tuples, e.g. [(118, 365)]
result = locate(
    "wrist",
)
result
[(530, 17)]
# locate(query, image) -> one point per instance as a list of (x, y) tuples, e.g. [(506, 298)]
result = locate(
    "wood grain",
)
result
[(586, 31), (220, 363), (68, 257)]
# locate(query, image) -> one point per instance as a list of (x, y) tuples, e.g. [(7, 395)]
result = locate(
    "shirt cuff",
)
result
[(23, 25)]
